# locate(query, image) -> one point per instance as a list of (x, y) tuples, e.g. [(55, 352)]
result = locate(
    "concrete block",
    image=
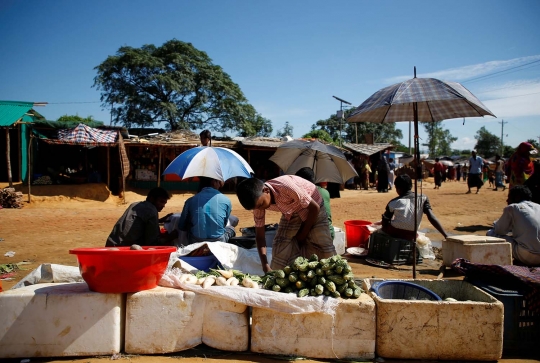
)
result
[(164, 320), (60, 319), (468, 329), (315, 335), (477, 249)]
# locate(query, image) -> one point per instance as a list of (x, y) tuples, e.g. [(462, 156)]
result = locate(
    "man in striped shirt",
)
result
[(303, 229)]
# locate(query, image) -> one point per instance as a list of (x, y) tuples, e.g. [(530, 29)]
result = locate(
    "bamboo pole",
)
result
[(19, 139), (29, 168), (108, 168), (8, 158), (159, 168)]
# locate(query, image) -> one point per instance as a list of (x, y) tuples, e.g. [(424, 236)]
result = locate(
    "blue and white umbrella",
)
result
[(212, 162)]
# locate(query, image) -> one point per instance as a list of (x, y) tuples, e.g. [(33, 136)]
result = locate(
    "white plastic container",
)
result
[(477, 249), (58, 320), (339, 240)]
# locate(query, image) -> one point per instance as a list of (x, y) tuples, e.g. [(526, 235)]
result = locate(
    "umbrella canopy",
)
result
[(419, 99), (212, 162), (435, 100), (328, 162)]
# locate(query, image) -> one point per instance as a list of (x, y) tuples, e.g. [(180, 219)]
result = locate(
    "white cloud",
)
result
[(471, 71), (514, 99)]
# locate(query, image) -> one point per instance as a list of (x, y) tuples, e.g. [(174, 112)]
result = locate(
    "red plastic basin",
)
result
[(357, 233), (117, 271)]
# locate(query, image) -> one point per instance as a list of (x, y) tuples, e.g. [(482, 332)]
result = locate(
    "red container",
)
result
[(120, 270), (357, 233)]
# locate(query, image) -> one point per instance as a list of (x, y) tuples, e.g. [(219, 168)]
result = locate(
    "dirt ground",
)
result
[(63, 217)]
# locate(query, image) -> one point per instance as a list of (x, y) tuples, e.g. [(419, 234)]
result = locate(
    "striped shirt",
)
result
[(292, 194)]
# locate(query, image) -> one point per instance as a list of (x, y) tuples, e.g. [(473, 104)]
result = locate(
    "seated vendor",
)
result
[(303, 229), (398, 218), (205, 216), (522, 218), (140, 223)]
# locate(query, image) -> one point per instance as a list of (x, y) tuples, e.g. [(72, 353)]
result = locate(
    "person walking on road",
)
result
[(499, 171), (476, 163)]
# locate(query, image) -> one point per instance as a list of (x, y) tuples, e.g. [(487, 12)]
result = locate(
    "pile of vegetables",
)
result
[(221, 277), (330, 277)]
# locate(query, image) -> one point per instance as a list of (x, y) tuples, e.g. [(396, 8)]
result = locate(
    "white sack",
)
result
[(47, 273)]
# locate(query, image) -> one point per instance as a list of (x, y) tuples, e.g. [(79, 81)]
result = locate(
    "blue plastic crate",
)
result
[(521, 326)]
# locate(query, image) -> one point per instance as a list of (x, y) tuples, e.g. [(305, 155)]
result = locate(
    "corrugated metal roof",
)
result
[(12, 111), (367, 149)]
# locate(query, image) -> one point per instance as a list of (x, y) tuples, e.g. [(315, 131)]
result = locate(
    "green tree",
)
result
[(79, 119), (439, 140), (381, 132), (320, 135), (287, 130), (175, 83), (255, 125), (487, 144)]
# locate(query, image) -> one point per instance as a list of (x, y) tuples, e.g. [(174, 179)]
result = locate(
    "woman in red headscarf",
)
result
[(520, 166)]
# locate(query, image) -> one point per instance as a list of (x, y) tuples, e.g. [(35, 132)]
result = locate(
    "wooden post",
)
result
[(159, 168), (19, 126), (108, 167), (29, 167), (8, 158)]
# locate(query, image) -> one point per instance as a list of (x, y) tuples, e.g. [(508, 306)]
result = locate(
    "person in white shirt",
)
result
[(522, 218), (474, 179), (499, 172)]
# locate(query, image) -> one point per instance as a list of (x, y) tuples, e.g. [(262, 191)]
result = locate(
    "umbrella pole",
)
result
[(417, 175)]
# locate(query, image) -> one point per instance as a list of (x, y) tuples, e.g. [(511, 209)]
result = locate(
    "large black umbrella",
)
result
[(327, 161), (419, 100)]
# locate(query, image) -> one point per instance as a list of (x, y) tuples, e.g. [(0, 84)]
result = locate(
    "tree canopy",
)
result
[(79, 119), (318, 134), (487, 144), (287, 130), (334, 125), (439, 140), (175, 83)]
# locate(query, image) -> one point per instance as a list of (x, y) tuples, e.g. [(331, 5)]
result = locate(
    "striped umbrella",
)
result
[(419, 100), (212, 162)]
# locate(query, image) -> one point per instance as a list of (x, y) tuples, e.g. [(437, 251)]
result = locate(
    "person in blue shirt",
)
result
[(476, 164), (206, 215)]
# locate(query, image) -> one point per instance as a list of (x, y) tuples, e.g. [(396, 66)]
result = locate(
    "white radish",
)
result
[(209, 281), (247, 282), (191, 279), (254, 285), (183, 278), (221, 281), (226, 273), (233, 281), (200, 281)]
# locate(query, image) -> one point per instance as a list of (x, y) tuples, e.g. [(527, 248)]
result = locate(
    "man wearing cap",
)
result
[(476, 163)]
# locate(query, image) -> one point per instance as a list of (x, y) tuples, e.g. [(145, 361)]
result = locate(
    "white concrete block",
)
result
[(164, 320), (477, 249), (468, 329), (59, 319), (317, 335)]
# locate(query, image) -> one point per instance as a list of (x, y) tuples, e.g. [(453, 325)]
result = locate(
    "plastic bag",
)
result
[(423, 243)]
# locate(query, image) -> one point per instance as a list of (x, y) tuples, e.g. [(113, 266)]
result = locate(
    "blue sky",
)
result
[(288, 57)]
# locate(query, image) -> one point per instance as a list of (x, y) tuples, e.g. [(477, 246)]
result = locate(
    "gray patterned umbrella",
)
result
[(419, 100)]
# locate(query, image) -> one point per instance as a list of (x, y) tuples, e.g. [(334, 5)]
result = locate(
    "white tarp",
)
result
[(48, 272), (260, 298)]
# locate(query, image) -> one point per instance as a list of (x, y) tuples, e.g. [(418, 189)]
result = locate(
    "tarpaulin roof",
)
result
[(13, 111), (85, 135)]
